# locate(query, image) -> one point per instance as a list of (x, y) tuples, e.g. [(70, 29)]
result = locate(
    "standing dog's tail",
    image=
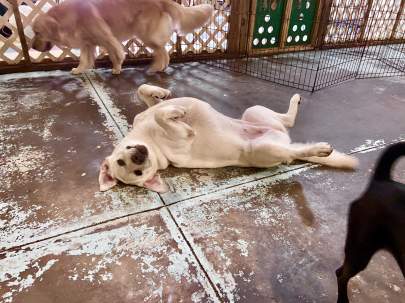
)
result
[(390, 155), (187, 19)]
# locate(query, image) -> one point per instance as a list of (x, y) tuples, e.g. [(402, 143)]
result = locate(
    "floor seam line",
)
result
[(212, 284), (177, 202), (105, 106), (84, 227)]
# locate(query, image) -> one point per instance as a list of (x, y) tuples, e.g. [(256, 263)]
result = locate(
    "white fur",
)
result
[(187, 132)]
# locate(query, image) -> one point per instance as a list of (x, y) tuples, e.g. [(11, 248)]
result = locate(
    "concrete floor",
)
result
[(222, 235)]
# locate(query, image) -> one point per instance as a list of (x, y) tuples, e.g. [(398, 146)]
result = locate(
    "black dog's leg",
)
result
[(356, 260), (361, 244)]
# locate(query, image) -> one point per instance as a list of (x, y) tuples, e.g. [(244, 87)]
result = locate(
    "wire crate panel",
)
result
[(346, 21), (302, 21), (381, 21), (268, 23), (10, 45)]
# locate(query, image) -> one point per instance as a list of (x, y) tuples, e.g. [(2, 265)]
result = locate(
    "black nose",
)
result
[(139, 155)]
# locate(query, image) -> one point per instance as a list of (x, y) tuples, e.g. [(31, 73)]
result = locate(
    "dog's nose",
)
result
[(139, 155)]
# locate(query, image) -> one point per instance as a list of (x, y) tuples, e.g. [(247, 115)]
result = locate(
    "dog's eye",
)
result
[(138, 172), (121, 162)]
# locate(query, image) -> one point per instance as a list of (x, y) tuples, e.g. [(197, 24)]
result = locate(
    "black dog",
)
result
[(376, 221)]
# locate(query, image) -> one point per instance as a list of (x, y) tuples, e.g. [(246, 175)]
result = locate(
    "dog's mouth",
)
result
[(40, 46)]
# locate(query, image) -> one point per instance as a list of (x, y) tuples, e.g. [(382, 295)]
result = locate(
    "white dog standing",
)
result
[(86, 24), (187, 132)]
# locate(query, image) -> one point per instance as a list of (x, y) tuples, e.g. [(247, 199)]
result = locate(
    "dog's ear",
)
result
[(156, 184), (104, 178), (52, 26)]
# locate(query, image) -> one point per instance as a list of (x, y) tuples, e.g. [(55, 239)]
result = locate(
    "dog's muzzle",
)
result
[(139, 154), (41, 46)]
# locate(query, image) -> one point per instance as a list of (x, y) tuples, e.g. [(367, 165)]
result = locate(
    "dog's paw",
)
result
[(160, 93), (176, 113), (76, 71), (116, 71), (322, 149), (296, 99)]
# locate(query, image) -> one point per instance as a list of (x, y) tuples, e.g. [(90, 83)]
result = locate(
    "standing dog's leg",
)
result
[(361, 244), (160, 61), (156, 38), (116, 54), (354, 263), (152, 95), (86, 60)]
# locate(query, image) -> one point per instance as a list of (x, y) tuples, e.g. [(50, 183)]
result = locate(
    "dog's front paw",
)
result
[(116, 71), (322, 149), (76, 71), (161, 93)]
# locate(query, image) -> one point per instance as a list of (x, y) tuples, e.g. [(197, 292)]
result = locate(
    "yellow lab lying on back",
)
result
[(90, 23)]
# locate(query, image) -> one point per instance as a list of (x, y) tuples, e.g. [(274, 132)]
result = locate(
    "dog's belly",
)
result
[(251, 132)]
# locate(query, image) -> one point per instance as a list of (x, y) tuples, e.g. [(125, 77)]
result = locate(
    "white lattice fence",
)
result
[(346, 19), (365, 20), (214, 36), (381, 21), (210, 38), (10, 45)]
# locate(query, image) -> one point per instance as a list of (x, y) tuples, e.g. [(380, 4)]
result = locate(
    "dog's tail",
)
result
[(187, 19), (390, 155), (335, 159)]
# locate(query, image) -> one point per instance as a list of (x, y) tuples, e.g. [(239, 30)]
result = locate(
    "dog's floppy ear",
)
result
[(52, 26), (156, 184), (104, 178)]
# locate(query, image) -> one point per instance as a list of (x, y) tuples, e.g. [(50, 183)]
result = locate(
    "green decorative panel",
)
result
[(302, 20), (269, 15)]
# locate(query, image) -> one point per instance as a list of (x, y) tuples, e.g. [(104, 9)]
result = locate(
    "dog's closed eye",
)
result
[(138, 172), (121, 162)]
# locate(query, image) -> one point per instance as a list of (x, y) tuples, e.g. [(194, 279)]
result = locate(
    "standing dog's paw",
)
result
[(116, 71), (76, 71), (322, 149)]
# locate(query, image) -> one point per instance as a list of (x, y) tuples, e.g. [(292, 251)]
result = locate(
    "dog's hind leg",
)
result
[(160, 60), (87, 58), (265, 116), (152, 95), (98, 32), (267, 153), (288, 119), (361, 244), (354, 263)]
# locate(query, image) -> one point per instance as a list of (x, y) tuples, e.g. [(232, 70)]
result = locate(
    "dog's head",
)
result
[(45, 29), (132, 162)]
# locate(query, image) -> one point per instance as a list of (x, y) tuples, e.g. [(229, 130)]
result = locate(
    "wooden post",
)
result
[(239, 27), (286, 23), (20, 29), (321, 22), (364, 25), (398, 19)]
